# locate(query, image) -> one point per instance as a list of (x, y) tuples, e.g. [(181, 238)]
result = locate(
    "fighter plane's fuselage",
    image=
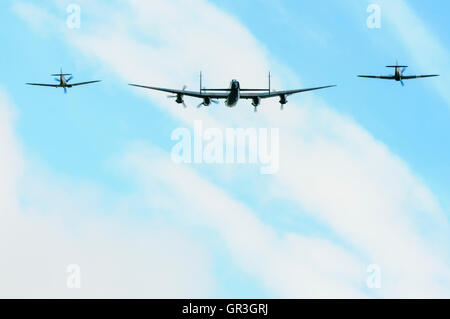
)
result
[(398, 74), (62, 81), (234, 95)]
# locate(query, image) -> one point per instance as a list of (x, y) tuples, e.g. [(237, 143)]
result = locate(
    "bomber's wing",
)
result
[(82, 83), (408, 77), (40, 84), (377, 77), (280, 93), (186, 93)]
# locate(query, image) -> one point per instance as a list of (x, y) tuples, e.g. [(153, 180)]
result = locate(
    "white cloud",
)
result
[(38, 18), (47, 223), (331, 167), (289, 265)]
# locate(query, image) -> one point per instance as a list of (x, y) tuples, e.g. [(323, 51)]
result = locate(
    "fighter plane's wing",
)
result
[(408, 77), (40, 84), (186, 93), (82, 83), (377, 77), (280, 93)]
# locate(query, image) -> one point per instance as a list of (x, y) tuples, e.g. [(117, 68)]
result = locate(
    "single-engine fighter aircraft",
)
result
[(398, 75), (63, 82), (230, 95)]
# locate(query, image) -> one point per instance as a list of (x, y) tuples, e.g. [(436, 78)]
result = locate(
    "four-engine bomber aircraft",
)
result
[(63, 82), (398, 75), (231, 95)]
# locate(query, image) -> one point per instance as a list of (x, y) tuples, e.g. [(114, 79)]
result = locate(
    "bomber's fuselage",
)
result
[(234, 95)]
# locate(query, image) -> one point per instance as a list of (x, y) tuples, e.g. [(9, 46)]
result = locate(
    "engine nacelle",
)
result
[(256, 101), (283, 99), (179, 99), (206, 101)]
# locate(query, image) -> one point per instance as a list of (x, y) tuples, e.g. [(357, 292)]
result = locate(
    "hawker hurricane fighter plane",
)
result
[(398, 74), (231, 95), (63, 82)]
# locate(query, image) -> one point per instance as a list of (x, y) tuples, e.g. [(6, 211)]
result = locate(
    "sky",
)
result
[(88, 178)]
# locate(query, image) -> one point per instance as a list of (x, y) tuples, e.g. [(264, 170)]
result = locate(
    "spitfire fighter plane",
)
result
[(63, 82), (398, 74), (231, 95)]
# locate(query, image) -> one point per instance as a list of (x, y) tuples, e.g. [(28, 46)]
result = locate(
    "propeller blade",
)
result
[(184, 88), (403, 84), (184, 105), (215, 101), (70, 78), (255, 109), (57, 80), (171, 96), (65, 90)]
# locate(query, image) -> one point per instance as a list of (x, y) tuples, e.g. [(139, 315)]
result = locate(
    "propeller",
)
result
[(65, 90), (177, 96), (203, 103), (70, 78), (403, 84), (57, 80)]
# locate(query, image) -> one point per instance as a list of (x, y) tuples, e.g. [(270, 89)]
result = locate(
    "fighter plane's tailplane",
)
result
[(61, 74), (396, 66)]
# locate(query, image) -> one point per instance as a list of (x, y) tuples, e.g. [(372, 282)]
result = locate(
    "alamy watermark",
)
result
[(373, 280), (374, 19), (74, 276), (227, 146), (74, 19)]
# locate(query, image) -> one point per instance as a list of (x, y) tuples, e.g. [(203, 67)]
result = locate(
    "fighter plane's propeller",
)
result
[(65, 90), (179, 97), (401, 73), (69, 78)]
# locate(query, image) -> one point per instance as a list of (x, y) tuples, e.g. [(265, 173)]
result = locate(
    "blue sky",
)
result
[(94, 149)]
